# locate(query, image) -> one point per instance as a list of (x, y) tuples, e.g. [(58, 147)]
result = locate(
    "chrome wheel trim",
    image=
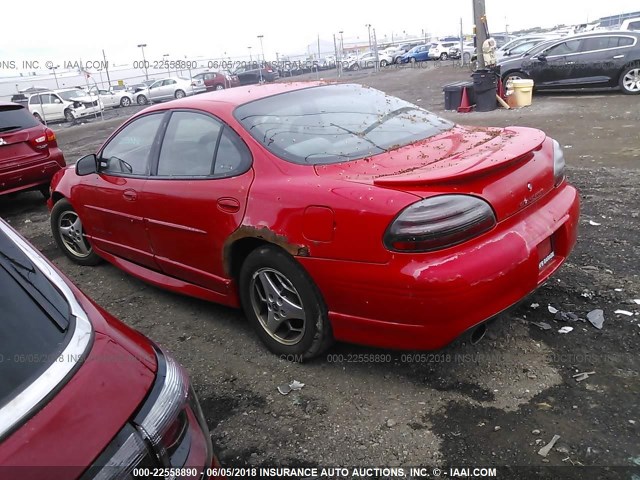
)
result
[(631, 80), (179, 94), (72, 235), (278, 306), (125, 102)]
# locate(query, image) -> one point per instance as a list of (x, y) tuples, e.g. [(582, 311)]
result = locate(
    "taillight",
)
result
[(558, 163), (46, 140), (169, 431), (439, 222)]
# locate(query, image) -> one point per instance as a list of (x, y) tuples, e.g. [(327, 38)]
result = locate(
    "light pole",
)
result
[(144, 60), (341, 44), (53, 69), (250, 57), (260, 37), (368, 25), (165, 55)]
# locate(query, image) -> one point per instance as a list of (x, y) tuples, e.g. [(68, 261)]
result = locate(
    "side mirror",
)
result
[(542, 57), (57, 100), (87, 165), (507, 53)]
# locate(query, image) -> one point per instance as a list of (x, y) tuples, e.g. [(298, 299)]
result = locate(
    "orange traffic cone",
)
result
[(465, 107)]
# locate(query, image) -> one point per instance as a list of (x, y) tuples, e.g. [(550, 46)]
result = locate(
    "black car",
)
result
[(590, 60), (252, 72)]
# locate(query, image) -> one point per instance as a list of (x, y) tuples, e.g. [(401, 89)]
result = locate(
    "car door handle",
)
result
[(619, 56), (570, 63), (130, 195), (228, 204)]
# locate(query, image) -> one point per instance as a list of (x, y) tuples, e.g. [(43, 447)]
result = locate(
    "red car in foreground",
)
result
[(83, 396), (325, 211), (29, 153)]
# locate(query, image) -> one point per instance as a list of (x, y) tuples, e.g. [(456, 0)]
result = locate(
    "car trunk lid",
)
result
[(510, 168)]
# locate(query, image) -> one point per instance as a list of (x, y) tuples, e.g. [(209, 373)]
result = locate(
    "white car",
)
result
[(113, 98), (169, 89), (631, 24), (440, 50), (69, 105)]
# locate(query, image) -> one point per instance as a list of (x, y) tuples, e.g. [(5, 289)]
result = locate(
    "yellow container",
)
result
[(522, 93)]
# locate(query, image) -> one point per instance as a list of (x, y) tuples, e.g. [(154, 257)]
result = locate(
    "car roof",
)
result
[(239, 95), (10, 104)]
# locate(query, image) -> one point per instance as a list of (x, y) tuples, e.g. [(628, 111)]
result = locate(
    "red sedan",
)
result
[(218, 80), (29, 153), (325, 211), (82, 395)]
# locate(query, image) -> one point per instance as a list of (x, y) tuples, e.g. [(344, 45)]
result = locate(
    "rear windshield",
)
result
[(34, 321), (336, 123), (16, 117)]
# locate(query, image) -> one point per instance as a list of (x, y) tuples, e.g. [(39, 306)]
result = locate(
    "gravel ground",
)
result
[(493, 404)]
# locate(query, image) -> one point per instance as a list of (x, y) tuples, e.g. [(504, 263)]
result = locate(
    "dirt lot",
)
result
[(493, 404)]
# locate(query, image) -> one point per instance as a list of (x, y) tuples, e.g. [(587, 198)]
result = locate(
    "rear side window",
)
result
[(16, 118), (197, 145), (189, 145), (128, 152), (599, 43), (626, 41)]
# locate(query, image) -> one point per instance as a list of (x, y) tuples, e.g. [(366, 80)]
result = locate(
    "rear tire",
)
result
[(38, 118), (630, 80), (219, 87), (283, 305), (125, 101), (69, 236), (180, 94)]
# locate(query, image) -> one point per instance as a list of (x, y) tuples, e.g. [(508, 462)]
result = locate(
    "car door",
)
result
[(109, 202), (601, 59), (156, 90), (53, 106), (169, 87), (196, 197), (554, 66)]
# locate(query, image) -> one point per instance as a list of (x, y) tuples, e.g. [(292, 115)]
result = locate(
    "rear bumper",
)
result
[(31, 176), (425, 301)]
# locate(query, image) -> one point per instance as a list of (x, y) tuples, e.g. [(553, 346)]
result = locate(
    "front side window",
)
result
[(564, 48), (129, 151), (336, 123)]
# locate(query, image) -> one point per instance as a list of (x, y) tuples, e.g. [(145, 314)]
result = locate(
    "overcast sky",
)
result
[(65, 30)]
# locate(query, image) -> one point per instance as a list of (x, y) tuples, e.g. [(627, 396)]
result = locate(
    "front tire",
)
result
[(514, 76), (69, 235), (630, 80), (141, 100), (283, 304), (38, 118), (68, 116), (383, 63), (444, 56)]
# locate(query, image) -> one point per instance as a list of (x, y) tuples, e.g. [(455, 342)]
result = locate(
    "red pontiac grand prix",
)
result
[(326, 211)]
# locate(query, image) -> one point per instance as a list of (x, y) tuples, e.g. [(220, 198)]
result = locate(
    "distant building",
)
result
[(616, 20)]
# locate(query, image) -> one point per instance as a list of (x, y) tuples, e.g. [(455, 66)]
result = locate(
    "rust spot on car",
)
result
[(262, 233)]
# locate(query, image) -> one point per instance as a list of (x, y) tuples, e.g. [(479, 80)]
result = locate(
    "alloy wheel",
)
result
[(631, 80), (71, 232), (278, 306)]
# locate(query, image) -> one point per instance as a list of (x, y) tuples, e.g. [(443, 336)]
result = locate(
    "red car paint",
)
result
[(83, 415), (29, 157), (332, 219)]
